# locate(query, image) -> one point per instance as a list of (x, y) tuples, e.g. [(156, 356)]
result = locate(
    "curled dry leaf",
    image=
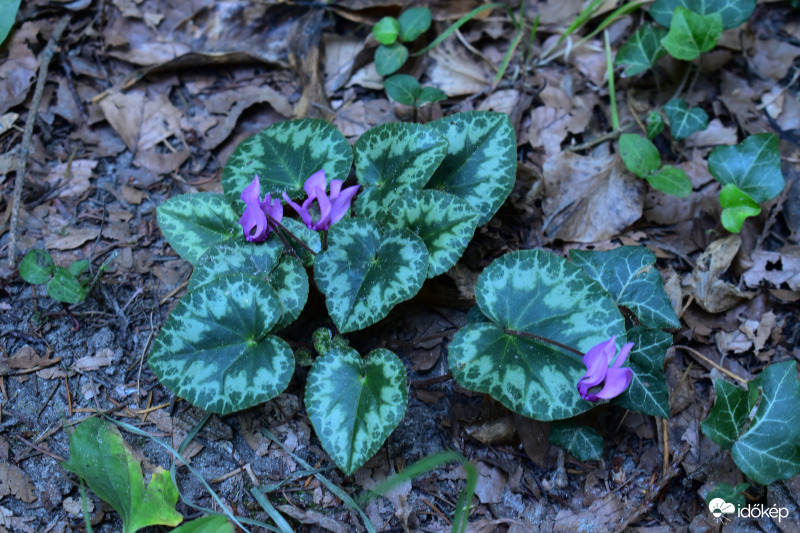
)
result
[(711, 292), (454, 72)]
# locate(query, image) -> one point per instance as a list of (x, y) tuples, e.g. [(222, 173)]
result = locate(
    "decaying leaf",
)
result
[(706, 282)]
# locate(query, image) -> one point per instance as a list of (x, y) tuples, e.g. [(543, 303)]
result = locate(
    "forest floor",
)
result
[(145, 100)]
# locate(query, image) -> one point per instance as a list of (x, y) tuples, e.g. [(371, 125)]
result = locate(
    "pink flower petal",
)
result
[(315, 183), (324, 221), (617, 380), (342, 203), (302, 211), (254, 223), (623, 355), (336, 187), (251, 193)]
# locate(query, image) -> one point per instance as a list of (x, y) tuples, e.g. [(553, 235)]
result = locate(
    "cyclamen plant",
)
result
[(421, 192)]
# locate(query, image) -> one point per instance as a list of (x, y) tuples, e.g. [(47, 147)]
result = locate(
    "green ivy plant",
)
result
[(423, 191), (68, 285)]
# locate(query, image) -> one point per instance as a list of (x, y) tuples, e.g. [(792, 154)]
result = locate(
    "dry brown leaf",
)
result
[(133, 195), (503, 101), (534, 436), (589, 199), (69, 238), (356, 118), (315, 518), (774, 269), (15, 482), (340, 56), (455, 72), (74, 506), (491, 483), (103, 359), (18, 70), (715, 134), (603, 515), (80, 171), (711, 292)]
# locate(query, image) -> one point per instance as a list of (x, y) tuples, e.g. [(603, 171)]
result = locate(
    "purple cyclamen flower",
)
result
[(331, 207), (600, 368), (254, 221)]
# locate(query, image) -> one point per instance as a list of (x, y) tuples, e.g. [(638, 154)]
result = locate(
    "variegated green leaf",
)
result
[(364, 274), (297, 232), (753, 165), (393, 160), (684, 121), (284, 156), (732, 12), (648, 391), (65, 287), (641, 50), (481, 162), (236, 256), (581, 441), (354, 403), (627, 273), (444, 221), (215, 351), (192, 223), (526, 293)]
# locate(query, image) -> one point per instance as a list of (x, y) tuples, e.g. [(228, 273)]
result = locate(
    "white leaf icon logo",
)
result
[(718, 507)]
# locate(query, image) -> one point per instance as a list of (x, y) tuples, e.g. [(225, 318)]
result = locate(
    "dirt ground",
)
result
[(145, 100)]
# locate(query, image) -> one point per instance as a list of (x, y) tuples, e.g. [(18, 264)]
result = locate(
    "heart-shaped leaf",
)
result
[(765, 447), (297, 233), (684, 121), (354, 403), (37, 267), (192, 223), (753, 165), (364, 274), (655, 125), (402, 88), (692, 34), (628, 275), (648, 391), (413, 23), (642, 50), (215, 351), (581, 441), (732, 12), (481, 162), (386, 30), (737, 206), (671, 180), (639, 155), (526, 294), (284, 156), (388, 59), (286, 275), (99, 455), (429, 95), (444, 221), (393, 160), (65, 287)]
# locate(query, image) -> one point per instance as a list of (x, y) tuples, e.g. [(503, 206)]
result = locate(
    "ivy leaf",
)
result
[(285, 275), (284, 156), (388, 59), (192, 223), (581, 441), (364, 274), (648, 391), (684, 121), (642, 50), (37, 267), (730, 495), (732, 12), (413, 23), (534, 292), (430, 95), (444, 221), (402, 88), (481, 162), (655, 125), (753, 165), (627, 273), (639, 155), (692, 34), (393, 160), (671, 180), (99, 455), (737, 206), (767, 447), (354, 403), (215, 351), (386, 30), (65, 287)]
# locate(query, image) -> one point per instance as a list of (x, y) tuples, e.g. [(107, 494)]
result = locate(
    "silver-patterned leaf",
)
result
[(215, 351), (444, 221), (393, 160), (192, 223), (648, 391), (533, 292), (364, 274), (481, 162), (354, 403), (284, 156), (581, 441)]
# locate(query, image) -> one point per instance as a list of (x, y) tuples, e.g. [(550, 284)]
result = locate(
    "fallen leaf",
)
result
[(69, 238), (15, 482), (589, 199), (491, 483), (74, 506), (711, 292), (454, 72), (774, 269), (18, 69), (77, 183)]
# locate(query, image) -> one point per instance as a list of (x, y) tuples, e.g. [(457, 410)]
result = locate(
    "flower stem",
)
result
[(533, 336), (278, 225)]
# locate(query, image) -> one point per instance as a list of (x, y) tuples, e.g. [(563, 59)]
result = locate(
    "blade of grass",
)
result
[(612, 95), (460, 22), (617, 13), (273, 513), (85, 506), (337, 491)]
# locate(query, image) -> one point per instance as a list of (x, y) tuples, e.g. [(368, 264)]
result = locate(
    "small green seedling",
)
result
[(684, 121), (392, 33), (406, 90), (67, 285), (642, 158)]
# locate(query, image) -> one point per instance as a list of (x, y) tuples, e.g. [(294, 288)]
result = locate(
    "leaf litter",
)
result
[(146, 101)]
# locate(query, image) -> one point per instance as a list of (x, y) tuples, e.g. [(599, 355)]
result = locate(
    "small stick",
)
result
[(44, 65), (40, 450)]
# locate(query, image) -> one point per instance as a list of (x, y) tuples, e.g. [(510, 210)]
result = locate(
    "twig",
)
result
[(705, 359), (40, 450), (25, 147)]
